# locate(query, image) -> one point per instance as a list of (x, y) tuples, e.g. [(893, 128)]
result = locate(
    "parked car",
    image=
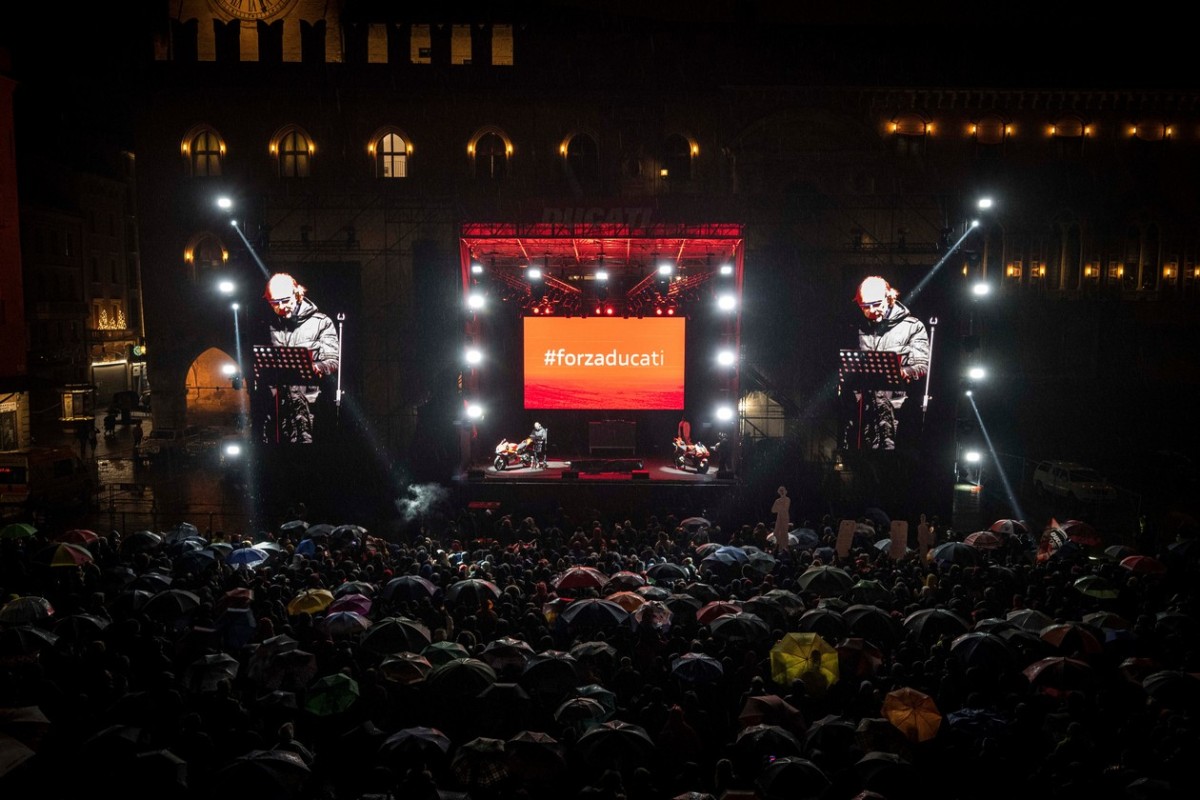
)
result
[(202, 442), (1068, 479), (169, 442)]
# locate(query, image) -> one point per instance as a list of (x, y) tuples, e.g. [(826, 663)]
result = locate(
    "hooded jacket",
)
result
[(312, 329), (899, 331)]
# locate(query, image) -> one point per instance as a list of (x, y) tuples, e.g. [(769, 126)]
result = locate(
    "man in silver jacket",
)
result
[(298, 323), (887, 325)]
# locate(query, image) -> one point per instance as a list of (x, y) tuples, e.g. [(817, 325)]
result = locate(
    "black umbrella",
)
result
[(409, 587), (697, 668), (395, 635), (615, 744), (172, 605), (830, 624), (872, 623), (667, 572), (264, 773), (930, 624), (988, 651), (472, 592), (551, 672), (594, 613), (791, 778), (460, 678), (825, 580)]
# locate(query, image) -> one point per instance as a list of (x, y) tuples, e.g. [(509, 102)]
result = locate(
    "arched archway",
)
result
[(211, 396)]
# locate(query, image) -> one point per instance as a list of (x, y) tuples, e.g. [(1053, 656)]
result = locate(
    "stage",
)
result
[(639, 485)]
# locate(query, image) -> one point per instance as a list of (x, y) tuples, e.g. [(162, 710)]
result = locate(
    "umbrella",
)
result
[(626, 581), (342, 624), (440, 653), (1173, 688), (630, 601), (770, 709), (22, 730), (792, 778), (797, 654), (507, 654), (655, 615), (667, 571), (396, 634), (703, 592), (246, 557), (858, 657), (694, 523), (473, 592), (461, 677), (503, 708), (331, 694), (1119, 551), (24, 640), (551, 672), (80, 627), (405, 668), (825, 580), (1095, 586), (63, 554), (237, 627), (595, 654), (683, 606), (18, 530), (240, 597), (806, 538), (415, 744), (986, 650), (290, 669), (1143, 565), (171, 605), (196, 560), (791, 602), (888, 774), (930, 624), (130, 602), (955, 553), (869, 592), (264, 773), (310, 601), (913, 713), (580, 713), (873, 623), (536, 757), (1058, 675), (984, 540), (697, 668), (832, 735), (409, 587), (79, 536), (206, 673), (358, 603), (153, 582), (709, 612), (581, 578), (1072, 638), (26, 610), (141, 542), (295, 527), (594, 691), (259, 661), (755, 742), (1082, 533), (593, 612), (1029, 619), (742, 626), (346, 535), (355, 587), (615, 743), (726, 556), (1009, 527), (828, 623), (482, 762)]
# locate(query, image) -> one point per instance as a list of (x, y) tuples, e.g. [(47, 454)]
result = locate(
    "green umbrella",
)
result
[(17, 530), (332, 694), (1095, 586)]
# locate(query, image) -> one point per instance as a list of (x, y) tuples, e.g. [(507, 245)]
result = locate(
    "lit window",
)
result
[(295, 152), (206, 155), (391, 157), (490, 153)]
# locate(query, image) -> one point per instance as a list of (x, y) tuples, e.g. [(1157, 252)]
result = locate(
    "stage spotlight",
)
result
[(972, 456), (601, 275), (724, 413), (974, 223), (609, 310), (727, 302), (984, 203), (473, 355), (474, 411), (976, 373), (969, 393), (233, 450), (726, 358), (226, 286), (665, 269), (658, 311), (534, 273), (980, 289), (229, 370), (224, 203), (599, 310), (727, 269), (475, 301), (476, 268), (670, 311)]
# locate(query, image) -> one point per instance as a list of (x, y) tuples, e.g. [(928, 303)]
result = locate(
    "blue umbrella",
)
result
[(246, 557), (306, 547), (806, 538)]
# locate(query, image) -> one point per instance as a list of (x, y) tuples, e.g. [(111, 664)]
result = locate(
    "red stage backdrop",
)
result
[(602, 363)]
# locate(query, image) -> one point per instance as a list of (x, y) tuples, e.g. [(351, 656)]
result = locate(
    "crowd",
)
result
[(501, 656)]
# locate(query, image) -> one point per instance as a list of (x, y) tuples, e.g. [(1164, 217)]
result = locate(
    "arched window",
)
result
[(205, 252), (391, 149), (1069, 133), (203, 150), (489, 151), (909, 132), (294, 150), (583, 158), (677, 158)]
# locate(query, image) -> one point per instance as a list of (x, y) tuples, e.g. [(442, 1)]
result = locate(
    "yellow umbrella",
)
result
[(630, 601), (805, 656), (312, 601), (912, 712)]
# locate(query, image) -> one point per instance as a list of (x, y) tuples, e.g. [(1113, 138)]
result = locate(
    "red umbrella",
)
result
[(78, 536), (1072, 638), (1009, 527), (1059, 675), (984, 540), (718, 608), (1082, 533), (626, 580), (1143, 565), (63, 554), (581, 578)]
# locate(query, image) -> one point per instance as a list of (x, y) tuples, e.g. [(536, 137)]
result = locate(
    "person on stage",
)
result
[(539, 436), (297, 323), (887, 324)]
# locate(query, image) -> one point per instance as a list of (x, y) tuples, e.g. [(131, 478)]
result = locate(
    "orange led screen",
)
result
[(603, 363)]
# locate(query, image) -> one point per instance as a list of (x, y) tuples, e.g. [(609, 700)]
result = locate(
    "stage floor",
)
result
[(597, 469)]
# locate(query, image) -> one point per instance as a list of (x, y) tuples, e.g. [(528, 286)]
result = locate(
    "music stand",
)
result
[(282, 366), (869, 371)]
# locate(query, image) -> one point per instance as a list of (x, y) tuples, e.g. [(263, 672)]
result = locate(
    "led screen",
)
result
[(604, 363)]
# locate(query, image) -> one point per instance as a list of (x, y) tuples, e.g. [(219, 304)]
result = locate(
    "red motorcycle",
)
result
[(510, 454), (691, 455)]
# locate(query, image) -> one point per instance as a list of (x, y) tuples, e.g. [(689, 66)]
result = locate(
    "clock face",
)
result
[(253, 9)]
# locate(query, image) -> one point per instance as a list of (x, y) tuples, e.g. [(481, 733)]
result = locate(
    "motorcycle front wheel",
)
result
[(499, 464), (703, 468)]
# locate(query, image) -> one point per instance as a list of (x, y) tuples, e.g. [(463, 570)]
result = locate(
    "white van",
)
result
[(1068, 479)]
